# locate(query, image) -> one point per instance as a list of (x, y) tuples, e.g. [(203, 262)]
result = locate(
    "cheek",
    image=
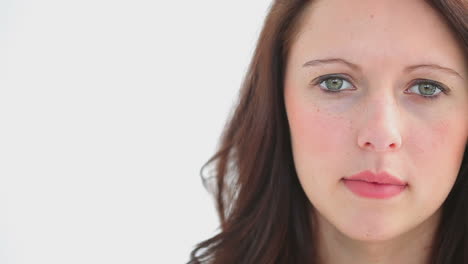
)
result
[(316, 133), (440, 143), (437, 159), (320, 140), (439, 134)]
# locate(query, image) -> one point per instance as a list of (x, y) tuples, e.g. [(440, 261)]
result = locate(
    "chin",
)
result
[(370, 233)]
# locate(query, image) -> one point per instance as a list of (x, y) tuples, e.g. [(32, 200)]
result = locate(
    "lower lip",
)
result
[(373, 190)]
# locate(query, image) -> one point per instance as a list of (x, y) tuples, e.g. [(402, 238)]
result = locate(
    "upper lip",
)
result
[(380, 178)]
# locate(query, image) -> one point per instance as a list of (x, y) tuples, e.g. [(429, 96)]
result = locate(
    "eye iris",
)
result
[(334, 83), (426, 89)]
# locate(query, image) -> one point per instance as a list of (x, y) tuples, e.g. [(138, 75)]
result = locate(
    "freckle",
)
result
[(372, 16)]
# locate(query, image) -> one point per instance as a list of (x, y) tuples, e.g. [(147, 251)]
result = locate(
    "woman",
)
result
[(348, 144)]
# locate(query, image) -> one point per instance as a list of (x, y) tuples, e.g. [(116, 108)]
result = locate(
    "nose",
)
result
[(379, 129)]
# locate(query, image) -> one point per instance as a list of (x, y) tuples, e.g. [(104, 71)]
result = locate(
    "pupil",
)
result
[(335, 84), (427, 89)]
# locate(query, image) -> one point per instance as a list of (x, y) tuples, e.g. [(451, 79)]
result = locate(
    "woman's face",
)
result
[(377, 117)]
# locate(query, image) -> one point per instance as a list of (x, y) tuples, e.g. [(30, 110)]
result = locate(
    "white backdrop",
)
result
[(108, 110)]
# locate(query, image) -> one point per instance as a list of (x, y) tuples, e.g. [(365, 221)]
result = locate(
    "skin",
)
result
[(380, 121)]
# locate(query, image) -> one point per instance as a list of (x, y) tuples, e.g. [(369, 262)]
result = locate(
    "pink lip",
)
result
[(370, 185)]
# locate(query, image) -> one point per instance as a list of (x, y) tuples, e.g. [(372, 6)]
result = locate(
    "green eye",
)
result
[(334, 84), (427, 89)]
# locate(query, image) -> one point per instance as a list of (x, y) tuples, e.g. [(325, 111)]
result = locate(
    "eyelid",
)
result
[(444, 88), (344, 76)]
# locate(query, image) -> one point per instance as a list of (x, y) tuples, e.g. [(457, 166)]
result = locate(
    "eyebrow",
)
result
[(355, 67)]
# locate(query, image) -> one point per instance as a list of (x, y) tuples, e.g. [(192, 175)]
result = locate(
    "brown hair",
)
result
[(263, 211)]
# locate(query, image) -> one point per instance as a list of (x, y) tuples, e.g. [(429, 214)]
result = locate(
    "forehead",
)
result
[(383, 31)]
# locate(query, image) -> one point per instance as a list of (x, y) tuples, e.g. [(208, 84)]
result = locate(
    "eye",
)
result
[(428, 89), (334, 84)]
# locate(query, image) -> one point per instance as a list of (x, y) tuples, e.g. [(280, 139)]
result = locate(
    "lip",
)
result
[(379, 186)]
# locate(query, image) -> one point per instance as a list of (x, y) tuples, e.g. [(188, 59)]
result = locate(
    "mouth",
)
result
[(379, 178), (376, 186)]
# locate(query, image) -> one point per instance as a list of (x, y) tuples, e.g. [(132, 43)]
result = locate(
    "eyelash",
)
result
[(416, 82)]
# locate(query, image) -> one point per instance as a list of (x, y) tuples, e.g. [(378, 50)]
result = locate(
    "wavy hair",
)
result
[(263, 211)]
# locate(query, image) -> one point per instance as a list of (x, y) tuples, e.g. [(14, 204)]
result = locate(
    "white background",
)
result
[(108, 110)]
